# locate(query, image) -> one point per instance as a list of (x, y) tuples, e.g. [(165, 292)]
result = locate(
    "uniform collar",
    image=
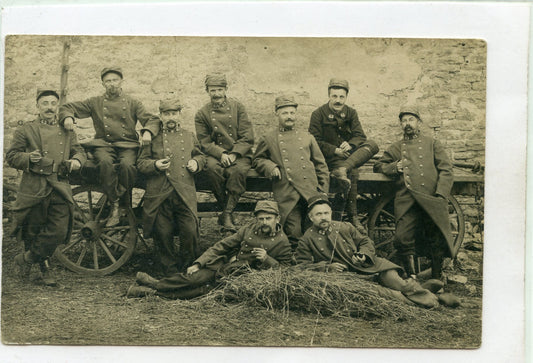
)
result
[(45, 122), (167, 131), (283, 129), (412, 137), (333, 113), (324, 231), (257, 230), (108, 97), (218, 106)]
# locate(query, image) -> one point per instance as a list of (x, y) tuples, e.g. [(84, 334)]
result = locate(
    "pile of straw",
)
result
[(341, 294)]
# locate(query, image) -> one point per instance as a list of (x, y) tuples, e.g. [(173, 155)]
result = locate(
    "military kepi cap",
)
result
[(285, 101), (317, 199), (107, 70), (266, 206), (409, 109), (216, 79), (46, 91), (170, 105), (338, 82)]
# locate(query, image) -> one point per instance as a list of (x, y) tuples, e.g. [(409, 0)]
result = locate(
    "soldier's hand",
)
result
[(399, 166), (343, 154), (68, 124), (259, 253), (345, 146), (162, 164), (232, 157), (74, 165), (336, 267), (225, 160), (358, 258), (35, 156), (192, 166), (275, 173), (192, 269), (147, 138)]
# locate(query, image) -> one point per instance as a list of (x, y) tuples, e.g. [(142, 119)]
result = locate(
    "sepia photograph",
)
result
[(316, 190), (190, 191)]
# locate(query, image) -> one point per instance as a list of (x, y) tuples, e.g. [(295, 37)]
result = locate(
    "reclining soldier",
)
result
[(259, 245)]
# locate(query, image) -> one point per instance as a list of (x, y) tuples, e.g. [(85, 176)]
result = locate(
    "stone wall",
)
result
[(445, 77)]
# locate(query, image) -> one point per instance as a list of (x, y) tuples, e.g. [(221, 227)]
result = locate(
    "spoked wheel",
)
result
[(381, 225), (95, 249)]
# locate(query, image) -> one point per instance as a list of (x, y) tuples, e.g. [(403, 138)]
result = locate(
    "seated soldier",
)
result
[(169, 164), (259, 245), (338, 246)]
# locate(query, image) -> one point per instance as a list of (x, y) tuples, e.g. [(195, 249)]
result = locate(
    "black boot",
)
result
[(436, 265), (46, 274), (341, 175), (409, 265), (225, 218)]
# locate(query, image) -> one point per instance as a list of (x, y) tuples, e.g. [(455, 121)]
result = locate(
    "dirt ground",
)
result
[(94, 310)]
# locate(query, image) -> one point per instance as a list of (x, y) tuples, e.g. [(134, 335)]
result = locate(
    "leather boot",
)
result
[(341, 175), (448, 299), (433, 285), (47, 275), (436, 266), (225, 221), (142, 278), (417, 294), (225, 218), (139, 291), (24, 262), (114, 218), (409, 265)]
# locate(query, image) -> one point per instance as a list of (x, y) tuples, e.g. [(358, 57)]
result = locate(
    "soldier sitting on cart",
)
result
[(114, 116), (259, 245), (43, 211), (423, 174), (170, 163)]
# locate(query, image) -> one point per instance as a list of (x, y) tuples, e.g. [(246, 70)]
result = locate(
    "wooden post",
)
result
[(64, 72)]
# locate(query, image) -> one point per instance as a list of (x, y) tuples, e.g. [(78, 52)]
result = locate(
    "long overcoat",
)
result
[(427, 174), (339, 243), (39, 179), (179, 146), (303, 169), (224, 129), (114, 119), (331, 128)]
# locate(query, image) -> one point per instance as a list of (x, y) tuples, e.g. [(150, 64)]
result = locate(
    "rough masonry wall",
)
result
[(446, 78)]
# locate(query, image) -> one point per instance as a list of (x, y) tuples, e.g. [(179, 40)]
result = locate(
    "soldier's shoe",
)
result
[(420, 296), (225, 221), (114, 218), (433, 285), (144, 279), (46, 275), (341, 175), (139, 291), (23, 266), (358, 225), (448, 299)]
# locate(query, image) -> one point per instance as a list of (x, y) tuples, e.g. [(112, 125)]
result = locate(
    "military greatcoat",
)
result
[(40, 179), (179, 146), (427, 174), (339, 243), (303, 169), (224, 129)]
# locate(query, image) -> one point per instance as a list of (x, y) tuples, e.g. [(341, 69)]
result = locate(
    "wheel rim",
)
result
[(94, 248)]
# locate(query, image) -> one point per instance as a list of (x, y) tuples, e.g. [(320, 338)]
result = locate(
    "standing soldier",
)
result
[(424, 179), (227, 137), (46, 152), (294, 162), (114, 116), (170, 163), (343, 142)]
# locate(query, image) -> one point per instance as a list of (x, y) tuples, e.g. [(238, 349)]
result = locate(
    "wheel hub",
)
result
[(91, 231)]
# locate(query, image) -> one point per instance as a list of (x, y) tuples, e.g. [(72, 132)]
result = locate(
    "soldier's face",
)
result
[(337, 98), (47, 106), (267, 221), (112, 83), (320, 215), (286, 116), (217, 93), (410, 124), (170, 118)]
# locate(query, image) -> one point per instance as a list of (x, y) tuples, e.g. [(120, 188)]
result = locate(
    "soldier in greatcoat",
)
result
[(333, 246), (259, 245), (423, 177), (227, 137), (169, 163), (115, 116), (43, 211), (296, 165), (343, 142)]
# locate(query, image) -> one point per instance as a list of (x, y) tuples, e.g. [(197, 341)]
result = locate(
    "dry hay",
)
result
[(341, 294)]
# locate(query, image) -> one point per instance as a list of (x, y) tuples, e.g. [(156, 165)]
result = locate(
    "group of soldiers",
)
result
[(300, 226)]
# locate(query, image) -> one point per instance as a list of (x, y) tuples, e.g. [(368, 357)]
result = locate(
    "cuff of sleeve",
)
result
[(270, 262)]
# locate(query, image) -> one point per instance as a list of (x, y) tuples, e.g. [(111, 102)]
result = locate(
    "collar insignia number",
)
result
[(331, 116), (343, 115)]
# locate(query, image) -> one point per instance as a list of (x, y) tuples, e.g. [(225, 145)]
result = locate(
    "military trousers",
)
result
[(183, 286), (417, 234), (113, 182), (296, 223), (174, 216), (227, 180), (46, 226)]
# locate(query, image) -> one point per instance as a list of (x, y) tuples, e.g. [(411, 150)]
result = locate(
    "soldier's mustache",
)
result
[(338, 104)]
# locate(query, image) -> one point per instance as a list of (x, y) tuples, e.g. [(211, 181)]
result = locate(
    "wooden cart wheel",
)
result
[(381, 224), (95, 249)]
